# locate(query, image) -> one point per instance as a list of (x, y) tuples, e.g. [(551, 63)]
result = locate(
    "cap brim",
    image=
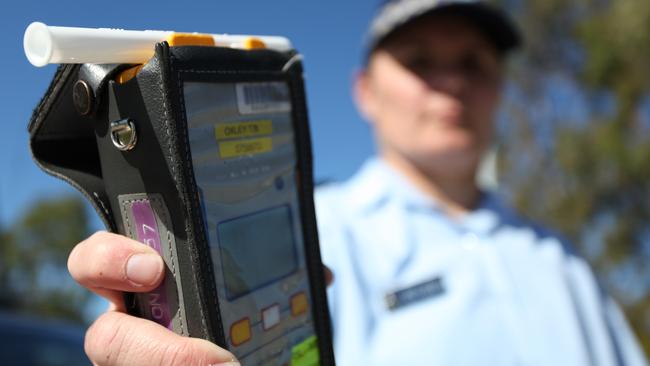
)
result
[(493, 22)]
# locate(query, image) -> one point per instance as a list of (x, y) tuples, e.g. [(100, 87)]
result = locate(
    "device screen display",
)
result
[(244, 159), (248, 242)]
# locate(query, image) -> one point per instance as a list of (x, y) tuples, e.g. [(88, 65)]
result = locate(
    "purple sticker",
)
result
[(147, 233)]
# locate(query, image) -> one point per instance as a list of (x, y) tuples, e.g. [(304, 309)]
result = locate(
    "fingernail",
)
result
[(144, 269), (215, 355)]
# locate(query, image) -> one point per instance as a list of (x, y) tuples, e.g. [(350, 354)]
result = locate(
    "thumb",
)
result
[(121, 339)]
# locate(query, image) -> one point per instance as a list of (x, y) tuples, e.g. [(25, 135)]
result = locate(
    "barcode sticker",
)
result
[(263, 97)]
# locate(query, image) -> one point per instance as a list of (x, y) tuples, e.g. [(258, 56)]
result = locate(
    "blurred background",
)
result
[(573, 147)]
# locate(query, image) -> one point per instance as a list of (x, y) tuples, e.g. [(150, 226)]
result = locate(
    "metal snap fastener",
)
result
[(123, 134), (83, 97)]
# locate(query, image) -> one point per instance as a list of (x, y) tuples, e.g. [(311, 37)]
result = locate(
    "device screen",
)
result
[(245, 252), (244, 158)]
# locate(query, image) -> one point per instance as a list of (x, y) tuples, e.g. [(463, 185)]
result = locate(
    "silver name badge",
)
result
[(416, 293)]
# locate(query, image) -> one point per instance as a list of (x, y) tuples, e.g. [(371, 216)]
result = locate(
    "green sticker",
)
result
[(305, 353)]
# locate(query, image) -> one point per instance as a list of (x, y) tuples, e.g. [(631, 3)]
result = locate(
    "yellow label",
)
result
[(232, 149), (225, 131), (305, 353)]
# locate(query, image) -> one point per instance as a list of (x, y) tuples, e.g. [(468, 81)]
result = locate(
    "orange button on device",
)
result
[(252, 43), (190, 39), (299, 304), (240, 332)]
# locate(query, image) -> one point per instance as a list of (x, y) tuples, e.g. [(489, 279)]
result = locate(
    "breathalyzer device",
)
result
[(197, 145)]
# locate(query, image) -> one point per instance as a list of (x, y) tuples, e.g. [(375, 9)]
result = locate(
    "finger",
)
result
[(108, 261), (115, 299), (329, 276), (120, 339)]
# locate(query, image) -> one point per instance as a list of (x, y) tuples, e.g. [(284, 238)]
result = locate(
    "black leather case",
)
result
[(74, 144)]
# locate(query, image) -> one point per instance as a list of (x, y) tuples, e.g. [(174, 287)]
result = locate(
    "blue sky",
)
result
[(328, 33)]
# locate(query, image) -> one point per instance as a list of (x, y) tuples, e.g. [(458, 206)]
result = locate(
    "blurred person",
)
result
[(429, 268)]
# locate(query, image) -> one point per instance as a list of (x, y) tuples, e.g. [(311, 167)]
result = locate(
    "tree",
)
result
[(577, 121), (33, 256)]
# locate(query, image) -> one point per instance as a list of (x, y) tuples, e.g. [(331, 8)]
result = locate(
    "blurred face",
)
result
[(430, 91)]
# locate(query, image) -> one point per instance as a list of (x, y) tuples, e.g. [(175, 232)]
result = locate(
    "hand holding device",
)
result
[(108, 264)]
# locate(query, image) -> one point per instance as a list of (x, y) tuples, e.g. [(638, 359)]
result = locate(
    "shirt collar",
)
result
[(377, 183), (486, 217)]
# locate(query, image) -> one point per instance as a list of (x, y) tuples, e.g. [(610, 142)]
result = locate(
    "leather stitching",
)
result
[(193, 194)]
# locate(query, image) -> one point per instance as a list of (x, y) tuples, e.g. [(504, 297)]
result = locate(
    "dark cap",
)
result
[(493, 22)]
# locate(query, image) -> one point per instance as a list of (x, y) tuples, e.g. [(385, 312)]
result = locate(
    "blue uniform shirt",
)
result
[(413, 286)]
